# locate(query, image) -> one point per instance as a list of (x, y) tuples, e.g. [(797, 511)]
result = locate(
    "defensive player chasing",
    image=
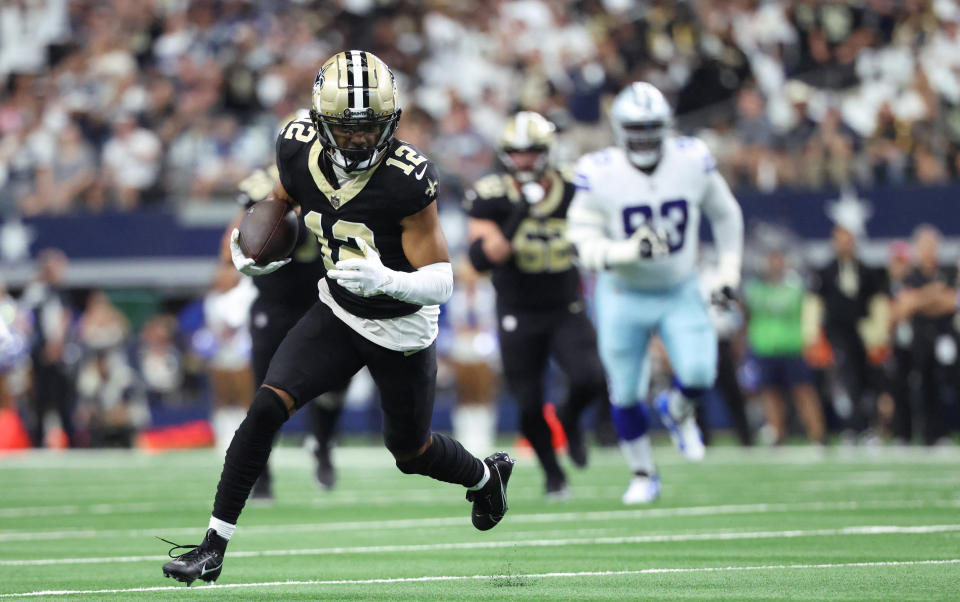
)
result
[(371, 201), (517, 229), (636, 219)]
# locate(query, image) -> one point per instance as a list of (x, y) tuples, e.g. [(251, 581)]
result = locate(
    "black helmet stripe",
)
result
[(365, 70), (355, 76)]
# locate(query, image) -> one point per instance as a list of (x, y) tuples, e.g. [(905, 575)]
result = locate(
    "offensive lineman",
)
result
[(371, 200), (636, 219), (517, 229)]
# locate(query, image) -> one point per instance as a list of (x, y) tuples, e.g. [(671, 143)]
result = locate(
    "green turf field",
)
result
[(847, 524)]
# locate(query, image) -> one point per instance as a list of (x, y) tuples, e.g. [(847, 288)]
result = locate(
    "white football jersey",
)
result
[(671, 200)]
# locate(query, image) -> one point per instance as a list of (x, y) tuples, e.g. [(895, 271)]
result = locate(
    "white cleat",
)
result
[(683, 430), (642, 490)]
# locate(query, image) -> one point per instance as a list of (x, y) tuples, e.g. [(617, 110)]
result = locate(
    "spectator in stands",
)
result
[(62, 184), (929, 300), (775, 304), (52, 385), (131, 160)]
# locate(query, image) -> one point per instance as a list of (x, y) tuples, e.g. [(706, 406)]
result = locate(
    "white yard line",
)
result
[(528, 543), (460, 521), (378, 457), (511, 577)]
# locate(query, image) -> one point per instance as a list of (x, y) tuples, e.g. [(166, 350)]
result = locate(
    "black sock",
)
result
[(248, 454), (445, 460), (535, 428)]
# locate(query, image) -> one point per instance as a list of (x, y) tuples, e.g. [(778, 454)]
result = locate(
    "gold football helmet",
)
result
[(355, 108), (524, 145)]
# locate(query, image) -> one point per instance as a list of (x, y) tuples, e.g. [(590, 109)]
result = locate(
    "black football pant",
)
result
[(270, 321), (528, 338), (318, 353)]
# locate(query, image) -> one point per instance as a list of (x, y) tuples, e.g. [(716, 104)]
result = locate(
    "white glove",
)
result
[(246, 265), (364, 277), (644, 243)]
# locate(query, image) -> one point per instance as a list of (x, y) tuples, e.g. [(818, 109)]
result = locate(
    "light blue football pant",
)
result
[(627, 318)]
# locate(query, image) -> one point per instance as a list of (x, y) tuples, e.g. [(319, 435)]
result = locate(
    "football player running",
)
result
[(371, 201), (283, 297), (517, 229), (636, 219)]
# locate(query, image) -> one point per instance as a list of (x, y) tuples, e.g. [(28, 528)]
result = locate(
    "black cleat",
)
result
[(576, 446), (490, 502), (557, 489), (326, 473), (202, 562), (262, 489)]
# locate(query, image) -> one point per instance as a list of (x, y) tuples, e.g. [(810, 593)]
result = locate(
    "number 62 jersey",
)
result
[(370, 206), (670, 200)]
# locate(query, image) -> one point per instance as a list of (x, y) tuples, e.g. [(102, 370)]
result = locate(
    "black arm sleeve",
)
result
[(478, 258)]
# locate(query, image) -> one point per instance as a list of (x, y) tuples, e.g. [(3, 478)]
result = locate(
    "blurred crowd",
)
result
[(123, 103)]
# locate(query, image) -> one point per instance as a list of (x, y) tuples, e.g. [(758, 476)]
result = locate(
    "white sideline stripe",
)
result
[(526, 543), (458, 521), (654, 571)]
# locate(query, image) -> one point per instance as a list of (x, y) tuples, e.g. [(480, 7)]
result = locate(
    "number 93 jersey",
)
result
[(670, 200), (369, 206), (540, 274)]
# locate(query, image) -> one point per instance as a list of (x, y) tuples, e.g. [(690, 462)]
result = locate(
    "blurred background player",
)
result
[(283, 297), (775, 304), (517, 229), (636, 218)]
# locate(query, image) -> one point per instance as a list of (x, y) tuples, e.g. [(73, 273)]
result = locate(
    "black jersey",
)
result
[(370, 207), (296, 284), (540, 274)]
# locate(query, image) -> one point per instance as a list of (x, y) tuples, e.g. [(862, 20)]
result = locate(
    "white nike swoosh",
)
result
[(204, 570), (423, 170)]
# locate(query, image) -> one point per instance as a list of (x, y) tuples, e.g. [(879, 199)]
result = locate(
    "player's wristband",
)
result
[(478, 258)]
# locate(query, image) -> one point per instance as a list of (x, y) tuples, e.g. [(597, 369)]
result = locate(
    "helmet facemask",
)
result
[(357, 140), (525, 170), (642, 142)]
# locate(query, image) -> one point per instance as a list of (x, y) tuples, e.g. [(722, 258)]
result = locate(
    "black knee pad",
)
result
[(423, 463), (268, 409)]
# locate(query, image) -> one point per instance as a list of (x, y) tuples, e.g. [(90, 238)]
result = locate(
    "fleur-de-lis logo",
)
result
[(431, 187)]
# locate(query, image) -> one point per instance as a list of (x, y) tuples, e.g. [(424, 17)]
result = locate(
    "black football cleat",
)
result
[(326, 473), (490, 502), (576, 446), (262, 491), (557, 489), (202, 562)]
